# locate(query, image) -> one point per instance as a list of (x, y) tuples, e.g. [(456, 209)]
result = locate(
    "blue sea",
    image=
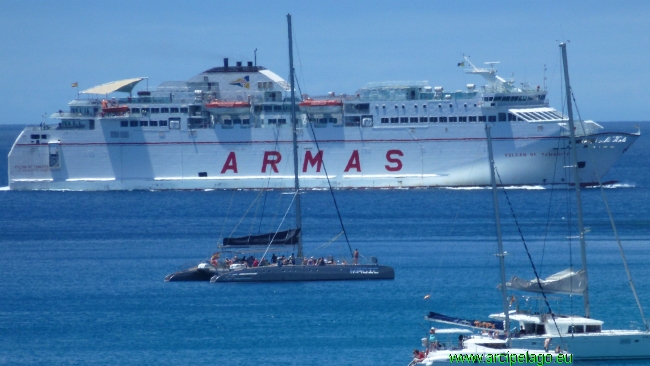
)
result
[(81, 273)]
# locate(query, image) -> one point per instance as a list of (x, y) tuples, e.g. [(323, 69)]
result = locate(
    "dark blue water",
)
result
[(81, 273)]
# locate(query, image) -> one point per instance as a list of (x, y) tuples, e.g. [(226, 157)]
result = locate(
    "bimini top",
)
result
[(125, 85)]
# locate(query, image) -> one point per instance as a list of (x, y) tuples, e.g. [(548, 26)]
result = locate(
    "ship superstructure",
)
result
[(229, 128)]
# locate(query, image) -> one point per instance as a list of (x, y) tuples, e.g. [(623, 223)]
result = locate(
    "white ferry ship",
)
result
[(230, 128)]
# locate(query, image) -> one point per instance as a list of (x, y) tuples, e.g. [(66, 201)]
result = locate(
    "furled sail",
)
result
[(564, 282), (287, 237)]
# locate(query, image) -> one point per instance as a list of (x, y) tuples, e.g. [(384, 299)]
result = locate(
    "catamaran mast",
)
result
[(294, 124), (576, 177), (497, 221)]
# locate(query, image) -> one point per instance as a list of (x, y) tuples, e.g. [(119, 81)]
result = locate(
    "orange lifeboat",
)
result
[(224, 107), (322, 106)]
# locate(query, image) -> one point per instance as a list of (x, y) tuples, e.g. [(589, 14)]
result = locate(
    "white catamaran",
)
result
[(228, 127), (580, 335)]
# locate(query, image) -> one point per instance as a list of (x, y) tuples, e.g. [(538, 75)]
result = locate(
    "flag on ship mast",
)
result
[(75, 84), (461, 64)]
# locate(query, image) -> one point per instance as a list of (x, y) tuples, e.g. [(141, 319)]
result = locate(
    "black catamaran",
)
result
[(293, 269)]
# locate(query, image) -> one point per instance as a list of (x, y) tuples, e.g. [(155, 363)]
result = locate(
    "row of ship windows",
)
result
[(147, 123), (171, 110), (438, 119)]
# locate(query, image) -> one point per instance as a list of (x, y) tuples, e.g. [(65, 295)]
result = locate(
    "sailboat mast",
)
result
[(576, 177), (294, 124), (497, 221)]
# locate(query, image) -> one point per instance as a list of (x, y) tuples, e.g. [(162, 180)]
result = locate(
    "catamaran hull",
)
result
[(308, 273), (430, 155), (614, 345)]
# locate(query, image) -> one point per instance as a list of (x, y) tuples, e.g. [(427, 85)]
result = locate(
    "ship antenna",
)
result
[(294, 124)]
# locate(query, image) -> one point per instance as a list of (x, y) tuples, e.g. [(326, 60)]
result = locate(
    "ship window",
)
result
[(511, 117), (163, 123), (423, 119), (173, 110), (145, 111), (174, 123), (135, 110), (433, 119), (268, 108), (507, 99), (124, 123), (443, 119), (593, 329), (472, 118), (144, 123), (462, 119), (115, 134), (35, 137), (277, 108), (272, 121), (164, 110), (334, 120), (384, 119), (497, 99), (453, 119), (245, 122), (322, 121), (492, 118), (184, 110), (44, 137), (481, 118), (133, 123), (203, 174), (236, 121), (153, 123), (155, 110), (576, 328), (394, 119), (502, 117), (403, 120), (414, 120)]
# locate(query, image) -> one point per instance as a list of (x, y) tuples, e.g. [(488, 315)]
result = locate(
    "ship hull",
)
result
[(429, 155), (307, 273)]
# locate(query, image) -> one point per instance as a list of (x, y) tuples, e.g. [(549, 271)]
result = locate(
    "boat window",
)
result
[(384, 119), (492, 118), (593, 329), (511, 117), (245, 122), (443, 119), (144, 111), (153, 123), (144, 123), (506, 99), (433, 119), (133, 123), (135, 110), (183, 110), (236, 121), (453, 119), (481, 118), (576, 328), (394, 119), (164, 110), (272, 121), (424, 119), (472, 118), (155, 110), (124, 123), (173, 110), (322, 121), (462, 119), (414, 120), (163, 123), (174, 123), (403, 120), (502, 117), (334, 120), (497, 99)]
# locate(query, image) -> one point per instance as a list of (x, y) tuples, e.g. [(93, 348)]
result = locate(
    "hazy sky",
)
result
[(339, 46)]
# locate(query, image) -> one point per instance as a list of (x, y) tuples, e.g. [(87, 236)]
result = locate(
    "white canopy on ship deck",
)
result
[(125, 85)]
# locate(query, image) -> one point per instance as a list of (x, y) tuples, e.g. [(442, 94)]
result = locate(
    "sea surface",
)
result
[(81, 273)]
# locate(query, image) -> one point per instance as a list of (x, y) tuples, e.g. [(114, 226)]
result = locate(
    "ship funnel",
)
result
[(238, 63), (225, 62), (250, 63)]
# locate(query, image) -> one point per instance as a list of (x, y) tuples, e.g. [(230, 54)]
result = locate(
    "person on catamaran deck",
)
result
[(355, 256), (274, 258)]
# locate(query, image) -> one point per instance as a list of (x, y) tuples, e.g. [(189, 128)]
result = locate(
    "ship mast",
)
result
[(294, 124), (501, 254), (576, 177)]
